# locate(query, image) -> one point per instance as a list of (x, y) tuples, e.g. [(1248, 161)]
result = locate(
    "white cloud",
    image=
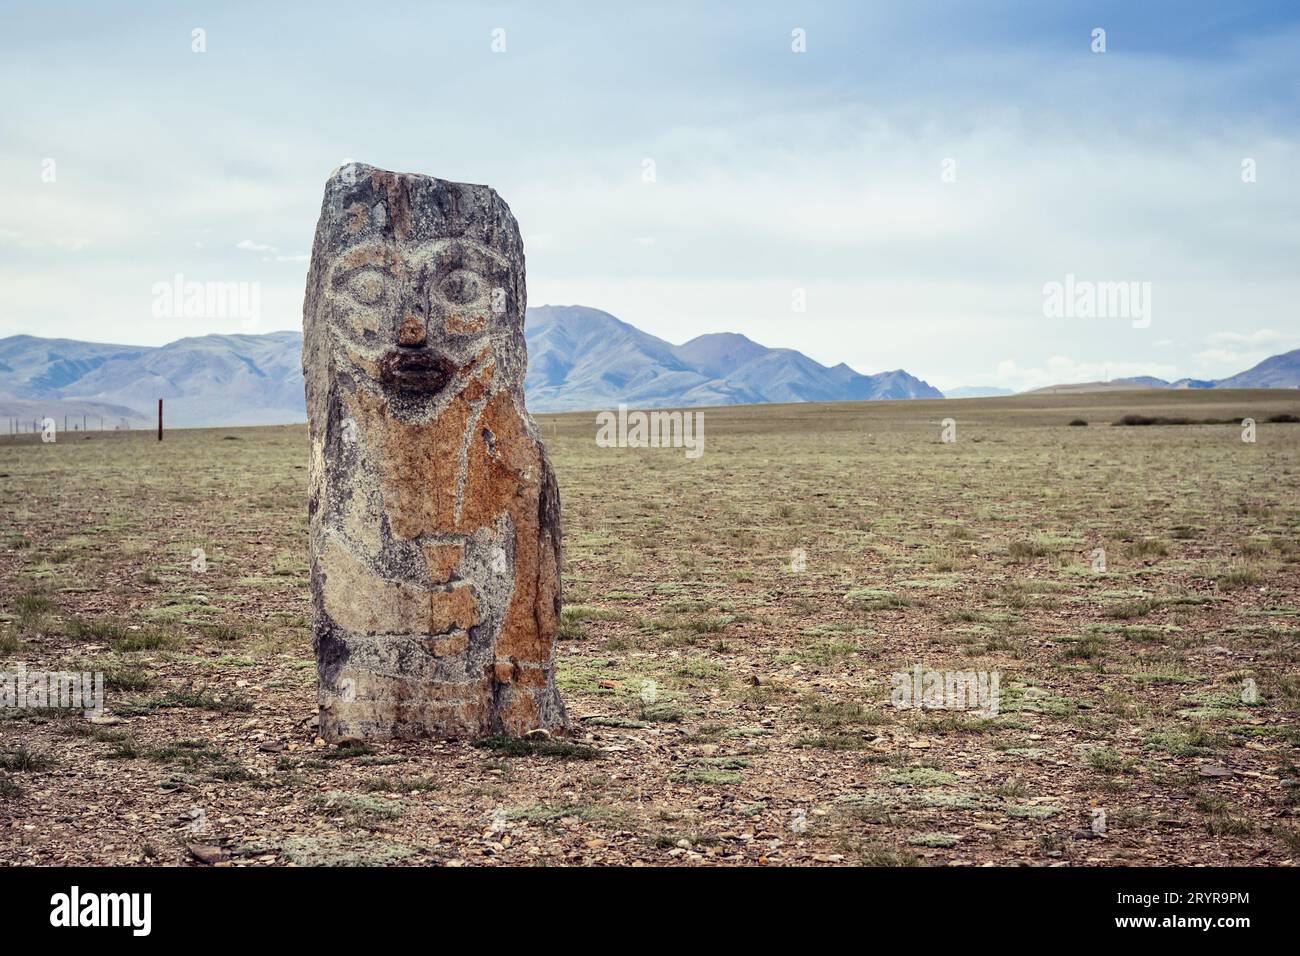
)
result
[(1266, 338), (62, 243), (250, 246), (1242, 350)]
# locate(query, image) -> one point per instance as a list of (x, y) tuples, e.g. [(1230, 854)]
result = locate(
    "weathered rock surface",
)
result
[(434, 513)]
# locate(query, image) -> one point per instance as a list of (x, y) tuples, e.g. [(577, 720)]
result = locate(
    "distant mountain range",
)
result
[(1278, 371), (207, 380), (579, 359)]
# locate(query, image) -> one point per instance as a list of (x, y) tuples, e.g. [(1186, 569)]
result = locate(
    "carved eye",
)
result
[(461, 287), (366, 287)]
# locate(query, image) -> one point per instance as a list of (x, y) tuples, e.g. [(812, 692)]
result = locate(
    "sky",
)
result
[(890, 185)]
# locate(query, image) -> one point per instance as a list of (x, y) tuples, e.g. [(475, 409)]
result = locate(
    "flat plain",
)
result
[(732, 623)]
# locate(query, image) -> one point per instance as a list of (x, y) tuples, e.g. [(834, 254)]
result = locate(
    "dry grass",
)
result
[(767, 735)]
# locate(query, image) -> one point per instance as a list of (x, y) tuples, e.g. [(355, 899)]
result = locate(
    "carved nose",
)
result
[(413, 332)]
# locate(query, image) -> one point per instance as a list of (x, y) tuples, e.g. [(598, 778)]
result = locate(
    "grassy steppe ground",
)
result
[(769, 736)]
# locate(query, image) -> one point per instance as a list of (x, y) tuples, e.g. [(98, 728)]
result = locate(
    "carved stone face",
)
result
[(416, 306), (416, 320)]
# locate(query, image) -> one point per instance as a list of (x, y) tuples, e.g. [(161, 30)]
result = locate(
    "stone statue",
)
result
[(434, 513)]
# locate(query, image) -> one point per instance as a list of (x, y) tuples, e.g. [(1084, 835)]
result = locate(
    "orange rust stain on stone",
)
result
[(441, 560), (419, 465), (357, 217), (395, 187), (451, 644), (372, 254), (520, 713), (456, 608), (529, 677), (412, 331), (474, 391), (506, 475), (458, 324), (501, 470), (368, 366), (478, 386)]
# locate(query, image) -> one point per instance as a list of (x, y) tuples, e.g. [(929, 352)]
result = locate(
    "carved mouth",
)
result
[(421, 372)]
